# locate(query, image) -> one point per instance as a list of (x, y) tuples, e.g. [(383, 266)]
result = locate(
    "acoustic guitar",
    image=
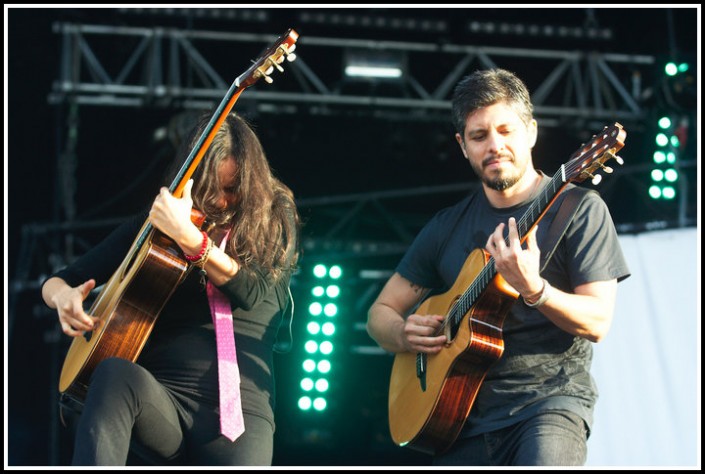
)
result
[(131, 300), (430, 395)]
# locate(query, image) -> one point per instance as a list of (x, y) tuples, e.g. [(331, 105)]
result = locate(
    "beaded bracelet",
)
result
[(204, 246), (201, 262)]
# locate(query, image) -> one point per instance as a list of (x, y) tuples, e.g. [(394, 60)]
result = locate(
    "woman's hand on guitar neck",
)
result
[(172, 216)]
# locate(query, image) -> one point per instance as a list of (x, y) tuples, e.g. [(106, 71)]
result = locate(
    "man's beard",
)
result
[(501, 181)]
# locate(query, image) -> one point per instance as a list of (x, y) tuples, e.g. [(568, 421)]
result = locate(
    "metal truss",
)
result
[(166, 67), (151, 67), (188, 69), (185, 69)]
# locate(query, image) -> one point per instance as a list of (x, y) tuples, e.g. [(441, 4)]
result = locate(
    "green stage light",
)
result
[(331, 309), (335, 272), (666, 154), (332, 291), (319, 403), (328, 329), (325, 291), (671, 69), (668, 192), (323, 366), (319, 270), (309, 365), (311, 346), (664, 123), (315, 308), (322, 385), (305, 403), (307, 384), (313, 328)]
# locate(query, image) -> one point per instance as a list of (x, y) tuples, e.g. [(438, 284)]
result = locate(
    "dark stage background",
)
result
[(369, 162)]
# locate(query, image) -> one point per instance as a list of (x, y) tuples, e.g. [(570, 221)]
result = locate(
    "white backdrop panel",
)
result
[(648, 367)]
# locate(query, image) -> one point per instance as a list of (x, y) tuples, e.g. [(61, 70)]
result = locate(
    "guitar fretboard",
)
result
[(530, 218)]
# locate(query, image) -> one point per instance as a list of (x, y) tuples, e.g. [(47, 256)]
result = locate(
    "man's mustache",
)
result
[(503, 157)]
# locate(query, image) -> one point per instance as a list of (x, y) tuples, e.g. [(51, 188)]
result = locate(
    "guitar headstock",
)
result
[(592, 156), (282, 49)]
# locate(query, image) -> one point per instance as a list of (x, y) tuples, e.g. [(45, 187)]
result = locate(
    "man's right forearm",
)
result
[(386, 327)]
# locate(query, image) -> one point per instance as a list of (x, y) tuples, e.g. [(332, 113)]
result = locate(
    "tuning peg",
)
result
[(596, 179), (616, 158), (276, 65), (606, 169), (289, 52), (268, 79)]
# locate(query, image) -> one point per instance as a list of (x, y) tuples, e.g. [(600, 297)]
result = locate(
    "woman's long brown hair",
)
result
[(264, 222)]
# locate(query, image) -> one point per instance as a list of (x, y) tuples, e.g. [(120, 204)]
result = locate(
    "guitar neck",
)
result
[(531, 217), (194, 158), (260, 69), (283, 47), (541, 204)]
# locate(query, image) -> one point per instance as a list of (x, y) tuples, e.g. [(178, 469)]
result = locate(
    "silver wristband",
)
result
[(545, 295)]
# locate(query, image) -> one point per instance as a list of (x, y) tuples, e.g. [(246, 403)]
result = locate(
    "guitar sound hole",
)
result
[(87, 335)]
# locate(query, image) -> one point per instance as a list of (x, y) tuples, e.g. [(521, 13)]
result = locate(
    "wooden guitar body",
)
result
[(430, 417), (127, 306)]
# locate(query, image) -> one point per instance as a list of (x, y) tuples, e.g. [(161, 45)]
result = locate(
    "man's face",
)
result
[(498, 145)]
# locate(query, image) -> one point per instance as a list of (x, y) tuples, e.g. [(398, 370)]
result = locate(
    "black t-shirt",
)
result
[(181, 350), (542, 367)]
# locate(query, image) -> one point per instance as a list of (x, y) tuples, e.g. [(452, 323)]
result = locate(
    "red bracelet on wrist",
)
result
[(204, 245)]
